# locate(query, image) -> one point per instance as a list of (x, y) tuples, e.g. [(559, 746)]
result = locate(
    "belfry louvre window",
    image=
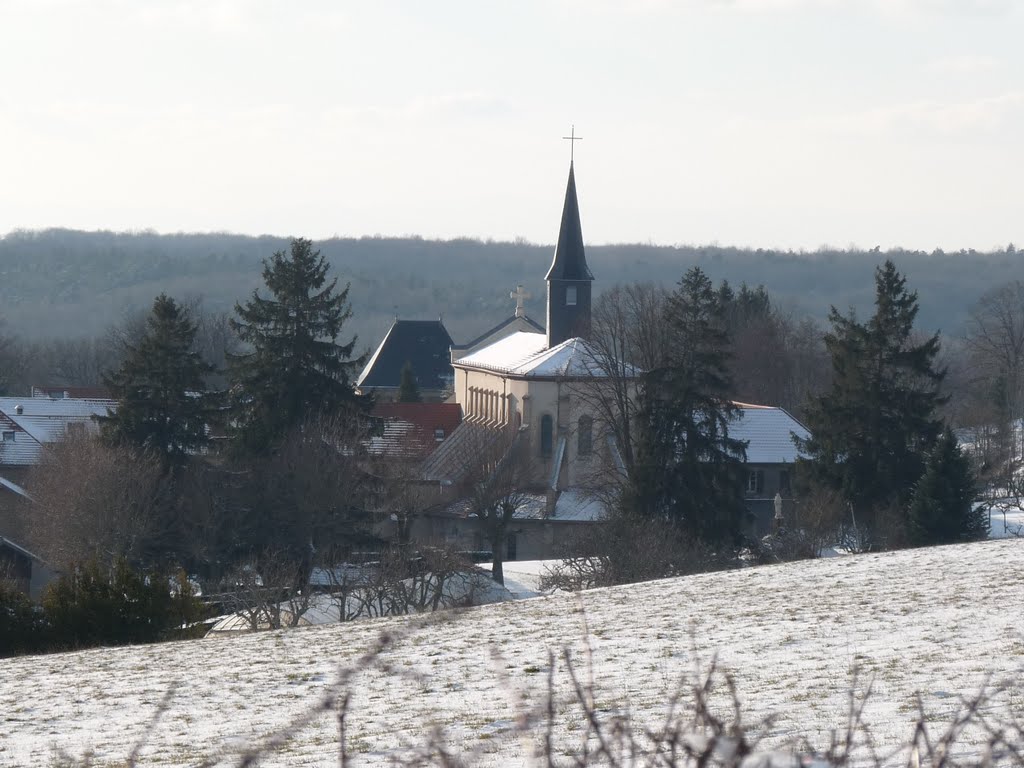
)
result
[(570, 296)]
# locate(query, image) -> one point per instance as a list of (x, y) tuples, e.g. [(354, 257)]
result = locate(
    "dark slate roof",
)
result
[(425, 344), (570, 262)]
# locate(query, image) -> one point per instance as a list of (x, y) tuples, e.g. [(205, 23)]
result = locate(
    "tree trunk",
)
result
[(497, 572)]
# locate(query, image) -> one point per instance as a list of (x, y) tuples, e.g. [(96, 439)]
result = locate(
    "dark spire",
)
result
[(570, 261), (569, 278)]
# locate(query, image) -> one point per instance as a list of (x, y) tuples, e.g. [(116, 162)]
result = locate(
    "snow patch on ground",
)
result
[(1006, 523)]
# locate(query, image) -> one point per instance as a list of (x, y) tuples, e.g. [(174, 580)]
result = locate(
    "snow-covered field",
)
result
[(930, 621)]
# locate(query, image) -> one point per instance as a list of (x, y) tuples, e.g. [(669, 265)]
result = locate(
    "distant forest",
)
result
[(70, 284)]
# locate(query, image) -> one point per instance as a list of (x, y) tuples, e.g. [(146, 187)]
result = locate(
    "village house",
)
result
[(27, 426)]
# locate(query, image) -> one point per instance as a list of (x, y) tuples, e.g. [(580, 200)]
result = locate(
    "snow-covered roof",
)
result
[(41, 421), (526, 355), (768, 432)]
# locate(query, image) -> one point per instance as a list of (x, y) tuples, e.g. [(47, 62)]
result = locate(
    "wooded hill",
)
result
[(67, 284)]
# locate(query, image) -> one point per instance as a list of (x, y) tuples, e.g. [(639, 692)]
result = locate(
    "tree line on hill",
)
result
[(64, 284), (234, 449)]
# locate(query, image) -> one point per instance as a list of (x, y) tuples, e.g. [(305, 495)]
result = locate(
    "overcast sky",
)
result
[(771, 123)]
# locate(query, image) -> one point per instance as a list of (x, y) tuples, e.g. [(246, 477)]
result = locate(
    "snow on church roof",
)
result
[(526, 355)]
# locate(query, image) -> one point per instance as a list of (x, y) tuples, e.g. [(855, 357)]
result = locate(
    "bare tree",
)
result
[(98, 501), (628, 336), (9, 360), (262, 591), (401, 495), (496, 486), (626, 548), (400, 582), (995, 338), (215, 339), (313, 493), (81, 362)]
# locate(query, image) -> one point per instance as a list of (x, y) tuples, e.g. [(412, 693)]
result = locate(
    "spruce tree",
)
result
[(688, 469), (942, 510), (871, 431), (160, 388), (296, 367), (408, 392)]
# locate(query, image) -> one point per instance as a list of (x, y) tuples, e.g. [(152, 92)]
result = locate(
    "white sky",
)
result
[(774, 123)]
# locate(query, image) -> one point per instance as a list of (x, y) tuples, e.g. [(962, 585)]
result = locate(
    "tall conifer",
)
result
[(942, 510), (871, 431), (408, 391), (296, 367), (160, 388), (688, 468)]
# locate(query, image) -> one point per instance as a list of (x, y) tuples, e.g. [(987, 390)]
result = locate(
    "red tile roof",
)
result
[(411, 429)]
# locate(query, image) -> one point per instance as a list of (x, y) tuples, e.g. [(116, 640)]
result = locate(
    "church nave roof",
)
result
[(526, 355)]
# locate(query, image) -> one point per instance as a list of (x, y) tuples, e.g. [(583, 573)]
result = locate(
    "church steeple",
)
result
[(569, 278)]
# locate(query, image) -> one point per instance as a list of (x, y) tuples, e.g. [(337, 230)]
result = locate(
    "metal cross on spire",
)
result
[(572, 139)]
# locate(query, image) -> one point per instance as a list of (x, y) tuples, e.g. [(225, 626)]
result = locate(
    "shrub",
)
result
[(95, 606), (23, 625)]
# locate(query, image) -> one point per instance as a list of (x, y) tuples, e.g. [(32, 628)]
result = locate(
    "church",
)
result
[(544, 390), (527, 384)]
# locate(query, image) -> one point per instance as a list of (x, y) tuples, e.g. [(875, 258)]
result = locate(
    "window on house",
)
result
[(439, 434), (585, 436), (9, 435), (570, 296), (755, 481), (546, 435), (784, 488)]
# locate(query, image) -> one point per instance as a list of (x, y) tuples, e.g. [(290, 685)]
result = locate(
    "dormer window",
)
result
[(570, 296)]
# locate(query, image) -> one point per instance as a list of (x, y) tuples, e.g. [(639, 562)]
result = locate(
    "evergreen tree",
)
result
[(408, 391), (296, 367), (871, 431), (942, 509), (688, 469), (160, 388)]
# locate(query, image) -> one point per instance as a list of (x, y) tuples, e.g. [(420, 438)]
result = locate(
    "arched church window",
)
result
[(546, 435), (570, 296), (585, 436)]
